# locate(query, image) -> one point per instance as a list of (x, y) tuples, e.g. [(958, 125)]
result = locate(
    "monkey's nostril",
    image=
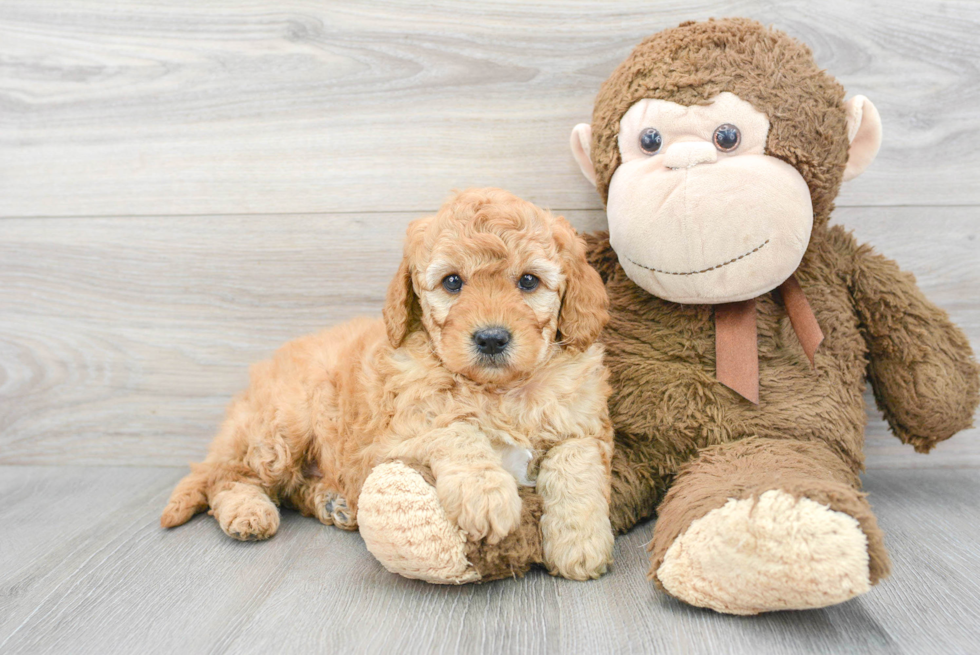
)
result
[(491, 341)]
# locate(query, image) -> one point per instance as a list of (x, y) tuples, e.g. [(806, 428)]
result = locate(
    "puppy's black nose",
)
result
[(491, 341)]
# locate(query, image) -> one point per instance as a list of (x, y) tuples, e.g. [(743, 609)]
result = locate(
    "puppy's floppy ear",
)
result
[(585, 306), (402, 311)]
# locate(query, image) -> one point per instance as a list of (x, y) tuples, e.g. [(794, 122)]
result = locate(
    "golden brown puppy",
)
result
[(485, 356)]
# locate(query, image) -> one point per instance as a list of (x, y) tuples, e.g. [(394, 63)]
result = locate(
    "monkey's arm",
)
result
[(921, 367)]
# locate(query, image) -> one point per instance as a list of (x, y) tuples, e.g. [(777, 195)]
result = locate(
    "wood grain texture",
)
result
[(122, 339), (186, 185), (114, 582), (235, 107), (55, 519)]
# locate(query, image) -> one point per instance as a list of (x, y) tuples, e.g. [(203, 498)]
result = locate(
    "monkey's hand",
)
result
[(921, 367)]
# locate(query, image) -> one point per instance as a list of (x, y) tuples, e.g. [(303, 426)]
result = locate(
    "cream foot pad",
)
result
[(406, 529), (776, 552)]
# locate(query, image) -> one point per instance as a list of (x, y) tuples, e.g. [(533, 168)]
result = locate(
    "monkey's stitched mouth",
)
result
[(703, 270)]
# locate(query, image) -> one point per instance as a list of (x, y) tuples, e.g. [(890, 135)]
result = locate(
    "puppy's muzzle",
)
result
[(491, 341)]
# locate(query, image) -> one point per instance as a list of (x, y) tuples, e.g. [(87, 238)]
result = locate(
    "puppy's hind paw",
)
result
[(254, 525), (340, 514), (250, 518)]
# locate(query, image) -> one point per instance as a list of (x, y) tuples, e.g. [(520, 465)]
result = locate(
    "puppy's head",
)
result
[(498, 284)]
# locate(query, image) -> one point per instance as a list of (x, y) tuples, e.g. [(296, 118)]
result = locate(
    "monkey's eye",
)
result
[(452, 283), (650, 140), (528, 282), (727, 137)]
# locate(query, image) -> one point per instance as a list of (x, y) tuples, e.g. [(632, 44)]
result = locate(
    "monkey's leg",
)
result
[(406, 528), (761, 525)]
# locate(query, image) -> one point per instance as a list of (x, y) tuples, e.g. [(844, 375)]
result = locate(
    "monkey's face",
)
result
[(698, 213)]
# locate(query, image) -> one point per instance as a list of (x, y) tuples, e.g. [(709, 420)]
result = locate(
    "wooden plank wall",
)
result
[(185, 185)]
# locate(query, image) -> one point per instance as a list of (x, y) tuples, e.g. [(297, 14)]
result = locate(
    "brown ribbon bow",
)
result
[(736, 347)]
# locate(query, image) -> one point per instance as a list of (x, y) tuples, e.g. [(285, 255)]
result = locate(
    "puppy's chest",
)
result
[(521, 434), (530, 420)]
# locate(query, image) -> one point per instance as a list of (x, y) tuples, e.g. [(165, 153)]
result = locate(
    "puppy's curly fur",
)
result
[(329, 407)]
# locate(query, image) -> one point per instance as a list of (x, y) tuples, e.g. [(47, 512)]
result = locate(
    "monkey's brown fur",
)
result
[(677, 428)]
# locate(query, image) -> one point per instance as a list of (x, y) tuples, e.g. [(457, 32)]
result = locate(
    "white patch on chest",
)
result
[(515, 461)]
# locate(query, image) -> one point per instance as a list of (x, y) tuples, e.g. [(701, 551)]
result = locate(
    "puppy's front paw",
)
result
[(577, 550), (484, 503)]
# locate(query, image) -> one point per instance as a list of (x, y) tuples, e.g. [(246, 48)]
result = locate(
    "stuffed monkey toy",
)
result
[(743, 330)]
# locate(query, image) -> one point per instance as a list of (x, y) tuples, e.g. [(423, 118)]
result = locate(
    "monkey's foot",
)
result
[(405, 527), (775, 552)]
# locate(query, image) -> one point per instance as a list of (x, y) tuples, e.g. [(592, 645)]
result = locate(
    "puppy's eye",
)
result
[(650, 140), (452, 283), (528, 282), (727, 137)]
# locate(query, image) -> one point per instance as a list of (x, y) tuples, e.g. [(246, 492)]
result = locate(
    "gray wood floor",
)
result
[(85, 568), (185, 185)]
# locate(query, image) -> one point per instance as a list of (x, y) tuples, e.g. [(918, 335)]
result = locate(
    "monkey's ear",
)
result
[(864, 133), (581, 142)]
